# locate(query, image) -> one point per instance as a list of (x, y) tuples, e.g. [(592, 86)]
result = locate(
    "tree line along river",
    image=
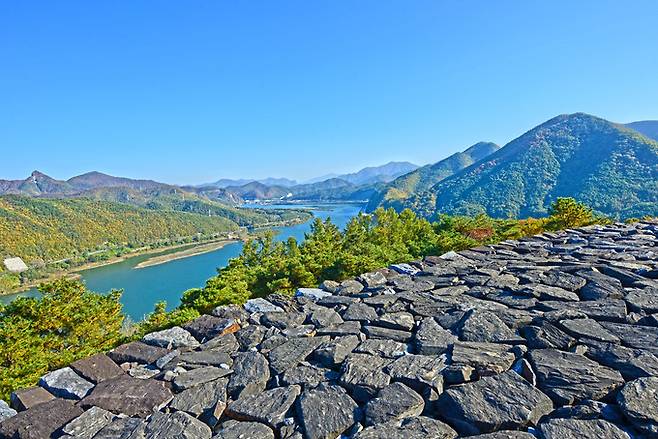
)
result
[(143, 287)]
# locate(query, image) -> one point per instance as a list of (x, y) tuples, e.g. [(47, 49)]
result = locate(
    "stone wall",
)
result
[(555, 336)]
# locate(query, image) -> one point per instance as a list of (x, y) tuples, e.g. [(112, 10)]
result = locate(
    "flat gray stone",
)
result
[(177, 425), (393, 403), (485, 358), (386, 333), (504, 401), (588, 328), (485, 327), (420, 427), (244, 430), (360, 312), (638, 400), (65, 383), (326, 412), (199, 376), (172, 338), (349, 287), (308, 375), (210, 357), (396, 320), (580, 428), (569, 378), (205, 398), (643, 300), (635, 336), (207, 327), (420, 372), (631, 363), (129, 396), (292, 352), (364, 375), (97, 368), (431, 338), (251, 371), (260, 305), (269, 407), (40, 421), (383, 348), (23, 399), (505, 434), (323, 317), (6, 411), (137, 352), (333, 352), (313, 294), (123, 428), (89, 423)]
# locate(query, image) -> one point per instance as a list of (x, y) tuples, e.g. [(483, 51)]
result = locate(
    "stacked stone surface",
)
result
[(553, 336)]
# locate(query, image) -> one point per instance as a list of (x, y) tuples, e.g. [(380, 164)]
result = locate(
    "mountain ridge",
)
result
[(608, 166)]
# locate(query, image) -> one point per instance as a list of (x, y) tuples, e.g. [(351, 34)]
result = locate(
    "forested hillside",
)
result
[(609, 167), (397, 193), (52, 229)]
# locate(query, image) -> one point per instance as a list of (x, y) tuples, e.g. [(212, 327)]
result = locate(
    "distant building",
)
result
[(15, 265)]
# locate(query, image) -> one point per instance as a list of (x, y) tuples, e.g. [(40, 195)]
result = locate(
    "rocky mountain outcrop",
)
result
[(553, 336)]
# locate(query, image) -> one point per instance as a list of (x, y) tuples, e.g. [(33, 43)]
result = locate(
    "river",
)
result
[(142, 288)]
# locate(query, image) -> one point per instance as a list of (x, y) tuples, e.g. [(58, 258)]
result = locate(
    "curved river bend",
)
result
[(142, 288)]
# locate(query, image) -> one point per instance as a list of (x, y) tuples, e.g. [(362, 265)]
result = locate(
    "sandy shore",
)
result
[(196, 250)]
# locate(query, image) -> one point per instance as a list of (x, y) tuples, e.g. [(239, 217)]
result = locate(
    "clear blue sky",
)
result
[(188, 92)]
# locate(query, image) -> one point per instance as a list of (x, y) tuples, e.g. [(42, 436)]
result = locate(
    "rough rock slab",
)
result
[(504, 401), (40, 421), (177, 425), (203, 398), (244, 430), (172, 338), (411, 428), (326, 412), (208, 327), (420, 372), (431, 338), (639, 402), (569, 378), (6, 411), (130, 396), (24, 399), (251, 371), (123, 428), (137, 352), (269, 407), (196, 377), (393, 403), (580, 428), (293, 351), (89, 423), (97, 368), (65, 383)]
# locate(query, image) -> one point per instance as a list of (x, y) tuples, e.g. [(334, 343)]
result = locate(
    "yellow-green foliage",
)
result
[(51, 229), (67, 323), (367, 243)]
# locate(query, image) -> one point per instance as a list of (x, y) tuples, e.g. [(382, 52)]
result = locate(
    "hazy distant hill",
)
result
[(608, 166), (141, 193), (378, 174), (397, 193), (647, 127), (228, 182)]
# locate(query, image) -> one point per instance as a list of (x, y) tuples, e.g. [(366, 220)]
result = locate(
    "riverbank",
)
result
[(72, 273), (196, 250)]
